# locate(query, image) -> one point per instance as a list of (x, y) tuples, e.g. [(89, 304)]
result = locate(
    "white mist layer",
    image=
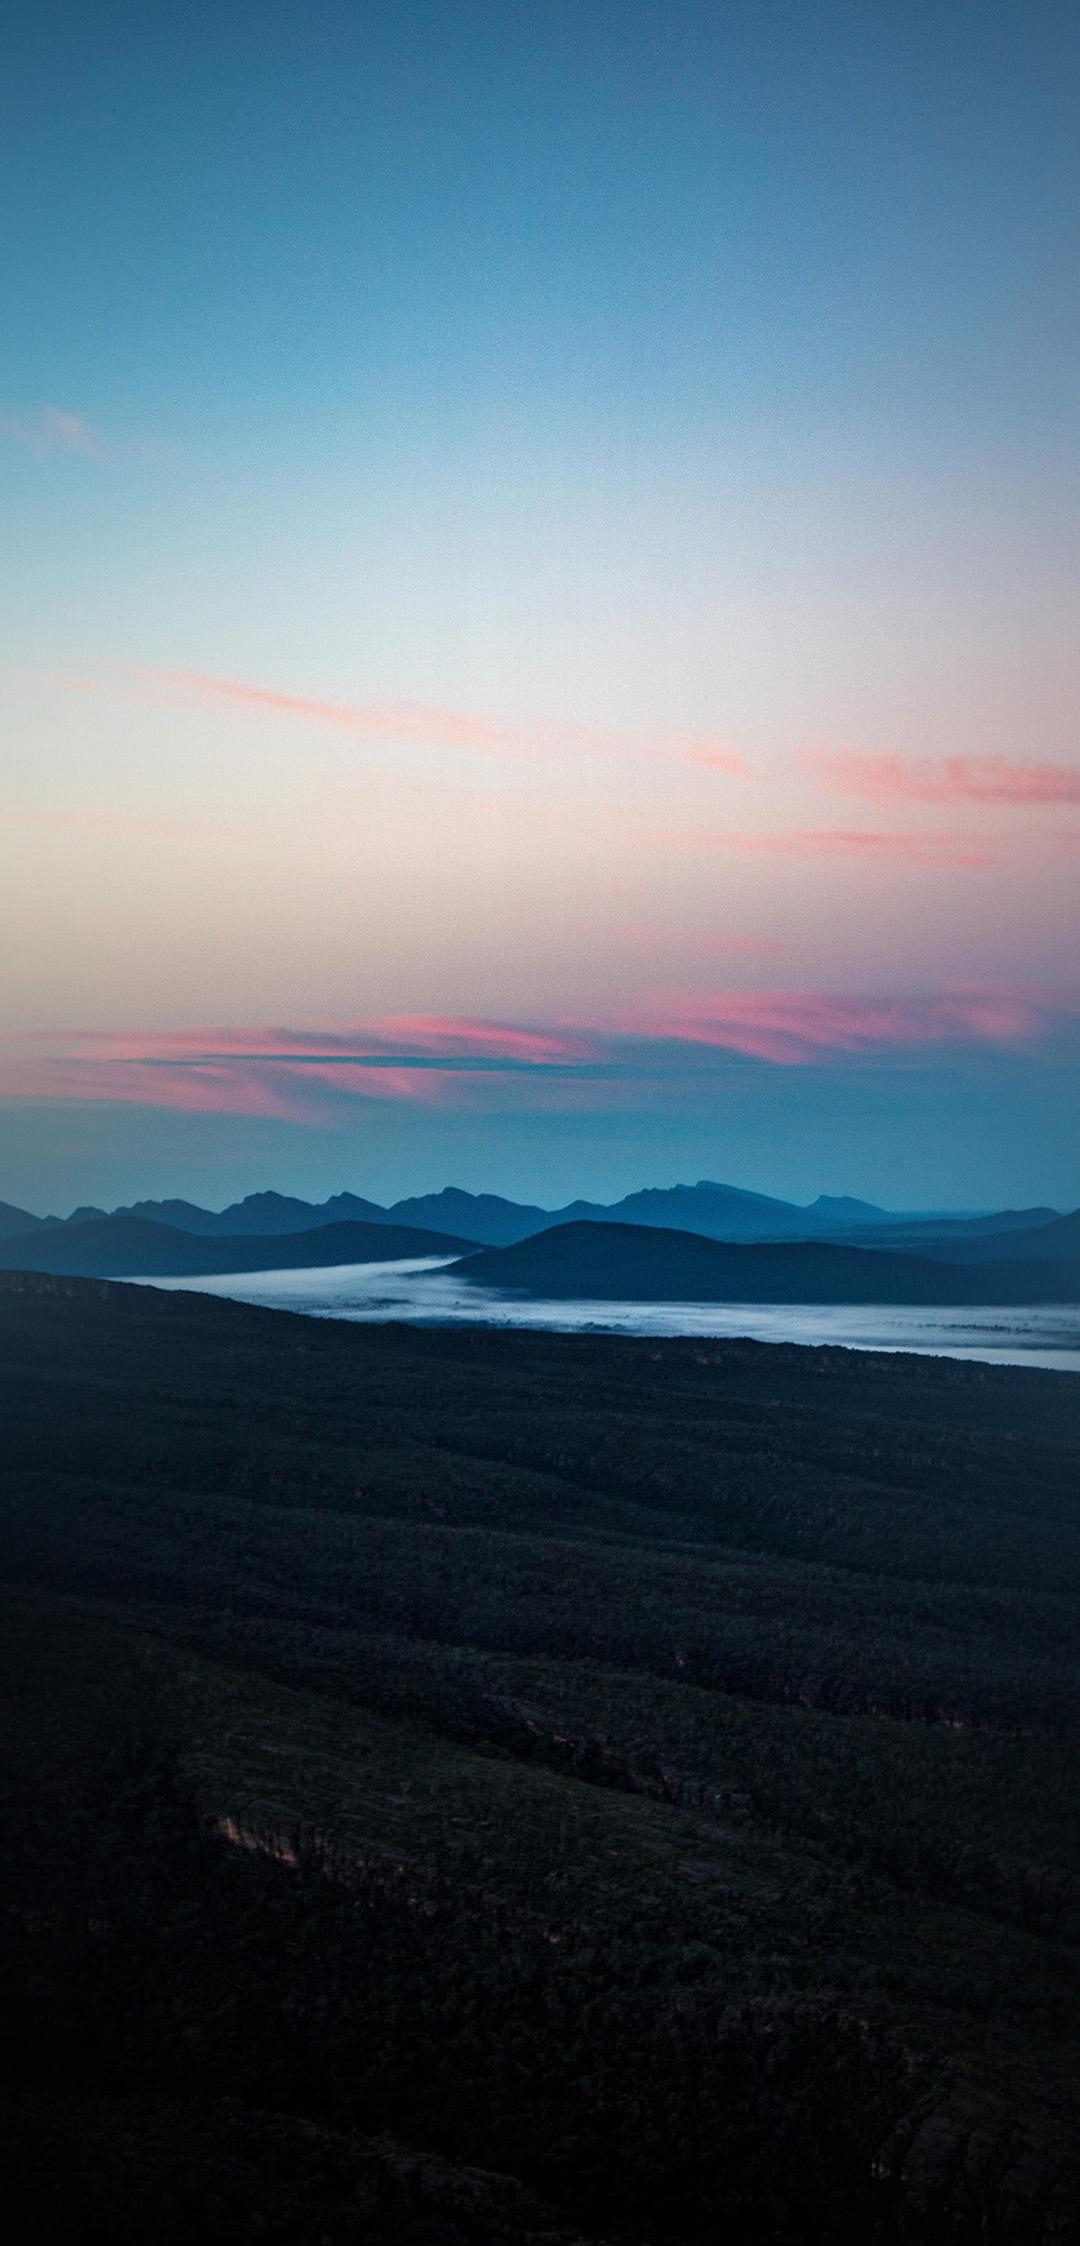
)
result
[(422, 1291)]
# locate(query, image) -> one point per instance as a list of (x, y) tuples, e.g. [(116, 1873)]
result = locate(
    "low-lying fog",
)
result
[(424, 1292)]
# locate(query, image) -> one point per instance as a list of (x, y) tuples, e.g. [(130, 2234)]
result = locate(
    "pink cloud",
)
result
[(715, 756), (451, 1036), (955, 779), (794, 1028), (398, 721), (841, 842), (307, 1074), (52, 429), (425, 724), (424, 1059)]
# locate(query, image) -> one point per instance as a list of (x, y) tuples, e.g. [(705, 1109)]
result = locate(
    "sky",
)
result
[(539, 600)]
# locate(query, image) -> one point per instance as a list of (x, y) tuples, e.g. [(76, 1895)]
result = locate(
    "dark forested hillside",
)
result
[(134, 1247), (498, 1789)]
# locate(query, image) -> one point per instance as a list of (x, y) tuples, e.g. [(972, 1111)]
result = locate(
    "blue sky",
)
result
[(532, 521)]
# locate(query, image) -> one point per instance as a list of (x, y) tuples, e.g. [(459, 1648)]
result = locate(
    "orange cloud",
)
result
[(955, 779)]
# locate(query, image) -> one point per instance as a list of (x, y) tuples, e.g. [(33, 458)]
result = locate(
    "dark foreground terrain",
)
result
[(496, 1789), (131, 1248)]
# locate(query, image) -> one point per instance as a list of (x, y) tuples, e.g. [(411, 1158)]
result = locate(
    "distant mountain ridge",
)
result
[(14, 1220), (261, 1214), (1059, 1239), (717, 1211)]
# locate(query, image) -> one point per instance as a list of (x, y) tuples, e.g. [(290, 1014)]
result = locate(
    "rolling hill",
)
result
[(637, 1263)]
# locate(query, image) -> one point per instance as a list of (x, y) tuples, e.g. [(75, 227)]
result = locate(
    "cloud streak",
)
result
[(317, 1074), (794, 1028), (427, 723), (874, 847), (57, 433), (48, 431), (418, 723), (949, 780)]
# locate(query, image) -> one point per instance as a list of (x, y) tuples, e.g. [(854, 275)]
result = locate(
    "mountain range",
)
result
[(701, 1243), (720, 1212)]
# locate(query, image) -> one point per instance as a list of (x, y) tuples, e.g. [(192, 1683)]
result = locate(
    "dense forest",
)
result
[(485, 1788), (128, 1247)]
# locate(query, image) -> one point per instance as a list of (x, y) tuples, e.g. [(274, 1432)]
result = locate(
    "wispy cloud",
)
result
[(424, 722), (714, 756), (318, 1074), (842, 842), (48, 430), (948, 780), (55, 432), (794, 1028), (419, 723), (297, 1073)]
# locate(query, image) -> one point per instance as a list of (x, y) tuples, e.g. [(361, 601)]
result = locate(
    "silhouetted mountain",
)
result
[(260, 1215), (484, 1216), (637, 1263), (716, 1211), (950, 1236), (131, 1247), (14, 1220), (724, 1212), (1058, 1241), (843, 1208), (186, 1216)]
